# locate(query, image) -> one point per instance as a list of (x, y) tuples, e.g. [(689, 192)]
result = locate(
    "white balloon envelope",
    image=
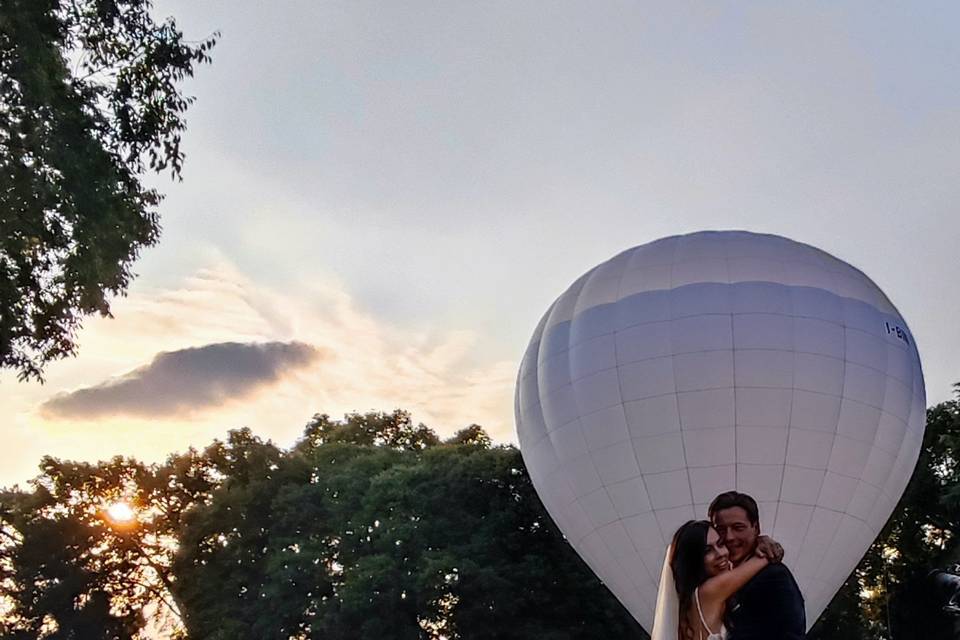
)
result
[(713, 361)]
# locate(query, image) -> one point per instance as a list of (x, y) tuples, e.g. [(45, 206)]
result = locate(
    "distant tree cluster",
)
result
[(373, 527)]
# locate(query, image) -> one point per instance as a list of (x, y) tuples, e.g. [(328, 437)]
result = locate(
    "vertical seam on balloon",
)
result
[(590, 275), (736, 409), (620, 519), (916, 373), (836, 430), (541, 348), (537, 361), (543, 344), (676, 395), (883, 403), (803, 540), (733, 365), (623, 411), (793, 392), (873, 445)]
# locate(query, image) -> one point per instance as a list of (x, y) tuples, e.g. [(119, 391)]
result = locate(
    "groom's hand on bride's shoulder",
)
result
[(769, 548)]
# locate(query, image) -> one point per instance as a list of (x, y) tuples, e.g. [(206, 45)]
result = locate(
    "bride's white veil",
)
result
[(666, 619)]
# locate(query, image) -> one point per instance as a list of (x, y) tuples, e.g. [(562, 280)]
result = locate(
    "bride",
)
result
[(696, 583)]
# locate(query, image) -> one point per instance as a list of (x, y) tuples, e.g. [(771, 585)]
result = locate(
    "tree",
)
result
[(89, 102), (922, 534), (392, 430), (885, 597), (68, 570), (372, 527)]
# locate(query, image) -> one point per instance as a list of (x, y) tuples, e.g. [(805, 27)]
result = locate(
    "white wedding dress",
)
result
[(720, 635), (666, 618)]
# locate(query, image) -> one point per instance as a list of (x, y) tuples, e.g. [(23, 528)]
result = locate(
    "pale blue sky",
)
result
[(465, 161), (416, 182)]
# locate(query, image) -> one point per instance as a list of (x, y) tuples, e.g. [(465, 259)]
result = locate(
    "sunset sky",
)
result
[(381, 199)]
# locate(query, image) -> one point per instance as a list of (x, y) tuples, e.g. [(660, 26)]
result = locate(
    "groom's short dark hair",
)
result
[(729, 499)]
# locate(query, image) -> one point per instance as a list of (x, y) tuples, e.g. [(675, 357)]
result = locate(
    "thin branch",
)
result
[(162, 596)]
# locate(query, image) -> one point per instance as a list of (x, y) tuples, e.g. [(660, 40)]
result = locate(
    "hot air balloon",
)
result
[(713, 361)]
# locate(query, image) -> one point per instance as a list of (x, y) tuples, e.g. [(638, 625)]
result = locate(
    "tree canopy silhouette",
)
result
[(885, 597), (90, 101), (372, 526)]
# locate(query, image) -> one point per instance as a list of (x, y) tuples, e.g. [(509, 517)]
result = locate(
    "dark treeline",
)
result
[(370, 527), (373, 527)]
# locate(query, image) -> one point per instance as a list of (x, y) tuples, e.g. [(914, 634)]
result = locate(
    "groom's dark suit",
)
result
[(769, 607)]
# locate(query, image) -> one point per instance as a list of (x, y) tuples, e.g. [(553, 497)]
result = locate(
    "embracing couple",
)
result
[(724, 581)]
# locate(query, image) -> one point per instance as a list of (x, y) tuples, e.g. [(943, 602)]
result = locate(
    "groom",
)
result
[(770, 606)]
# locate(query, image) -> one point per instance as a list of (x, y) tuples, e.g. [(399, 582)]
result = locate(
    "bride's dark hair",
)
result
[(686, 561)]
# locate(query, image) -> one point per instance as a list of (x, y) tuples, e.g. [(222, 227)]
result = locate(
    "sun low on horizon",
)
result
[(121, 513)]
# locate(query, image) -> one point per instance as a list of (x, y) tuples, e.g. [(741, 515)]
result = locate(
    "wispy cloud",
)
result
[(113, 400), (186, 380)]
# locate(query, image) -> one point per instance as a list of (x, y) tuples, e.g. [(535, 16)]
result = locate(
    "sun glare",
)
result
[(121, 513)]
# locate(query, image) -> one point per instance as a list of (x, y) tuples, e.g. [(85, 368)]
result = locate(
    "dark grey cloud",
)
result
[(187, 380)]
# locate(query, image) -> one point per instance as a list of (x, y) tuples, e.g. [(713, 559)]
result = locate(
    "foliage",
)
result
[(885, 596), (371, 526), (394, 431), (66, 567), (89, 102)]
